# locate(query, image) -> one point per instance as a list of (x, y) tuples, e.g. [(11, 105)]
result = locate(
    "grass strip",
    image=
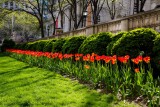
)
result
[(25, 86)]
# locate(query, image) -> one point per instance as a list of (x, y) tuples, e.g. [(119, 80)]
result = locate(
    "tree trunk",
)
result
[(142, 5), (54, 24), (54, 27), (75, 15), (61, 19), (70, 20), (41, 26), (42, 30), (95, 16), (137, 6)]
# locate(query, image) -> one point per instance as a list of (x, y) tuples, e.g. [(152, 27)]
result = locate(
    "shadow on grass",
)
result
[(2, 54), (21, 81), (14, 72), (24, 76), (10, 70), (101, 100)]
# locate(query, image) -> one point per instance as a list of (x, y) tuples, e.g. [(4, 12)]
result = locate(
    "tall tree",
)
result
[(61, 7), (77, 11), (35, 8), (56, 9), (5, 30), (111, 5), (27, 23), (24, 24), (114, 6), (138, 6), (52, 8), (96, 6)]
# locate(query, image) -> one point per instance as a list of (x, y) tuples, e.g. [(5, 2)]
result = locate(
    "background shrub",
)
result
[(156, 56), (20, 46), (57, 45), (7, 43), (135, 42), (72, 44), (48, 45), (31, 46), (41, 44), (114, 39), (96, 43)]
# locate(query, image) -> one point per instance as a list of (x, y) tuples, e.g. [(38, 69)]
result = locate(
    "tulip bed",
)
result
[(125, 77)]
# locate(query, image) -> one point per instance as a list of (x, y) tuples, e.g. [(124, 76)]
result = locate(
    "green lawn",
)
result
[(23, 86)]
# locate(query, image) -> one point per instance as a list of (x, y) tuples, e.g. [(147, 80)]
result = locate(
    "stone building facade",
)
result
[(124, 8)]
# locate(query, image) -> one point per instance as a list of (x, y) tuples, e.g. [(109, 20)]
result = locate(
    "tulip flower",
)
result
[(146, 59), (136, 70)]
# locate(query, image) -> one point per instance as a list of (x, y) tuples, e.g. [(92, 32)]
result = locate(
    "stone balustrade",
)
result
[(149, 19)]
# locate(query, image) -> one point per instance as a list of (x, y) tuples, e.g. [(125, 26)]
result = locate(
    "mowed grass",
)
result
[(25, 86)]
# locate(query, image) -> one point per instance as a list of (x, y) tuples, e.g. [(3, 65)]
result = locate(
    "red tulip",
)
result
[(98, 58), (92, 59), (77, 58), (136, 70), (135, 61), (106, 58), (146, 59), (87, 66)]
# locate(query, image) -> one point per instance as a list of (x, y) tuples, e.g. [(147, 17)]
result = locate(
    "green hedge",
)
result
[(7, 43), (72, 44), (135, 42), (114, 39), (31, 46), (41, 44), (57, 45), (48, 45), (156, 54), (96, 43), (20, 46)]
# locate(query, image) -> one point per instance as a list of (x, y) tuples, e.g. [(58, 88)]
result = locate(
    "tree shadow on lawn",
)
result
[(92, 98), (13, 72), (28, 79), (11, 82), (101, 100), (2, 54), (89, 98)]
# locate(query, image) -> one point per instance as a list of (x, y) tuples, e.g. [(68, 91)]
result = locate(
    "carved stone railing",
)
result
[(150, 19), (112, 26), (81, 31)]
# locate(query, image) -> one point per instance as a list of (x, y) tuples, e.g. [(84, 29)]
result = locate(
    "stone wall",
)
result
[(149, 19)]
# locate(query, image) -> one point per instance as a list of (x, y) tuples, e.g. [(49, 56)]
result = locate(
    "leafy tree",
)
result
[(5, 24), (28, 25), (19, 22), (35, 8)]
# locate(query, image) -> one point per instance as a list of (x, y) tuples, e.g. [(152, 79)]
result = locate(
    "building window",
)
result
[(26, 6), (99, 18), (6, 4), (16, 6), (11, 5)]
